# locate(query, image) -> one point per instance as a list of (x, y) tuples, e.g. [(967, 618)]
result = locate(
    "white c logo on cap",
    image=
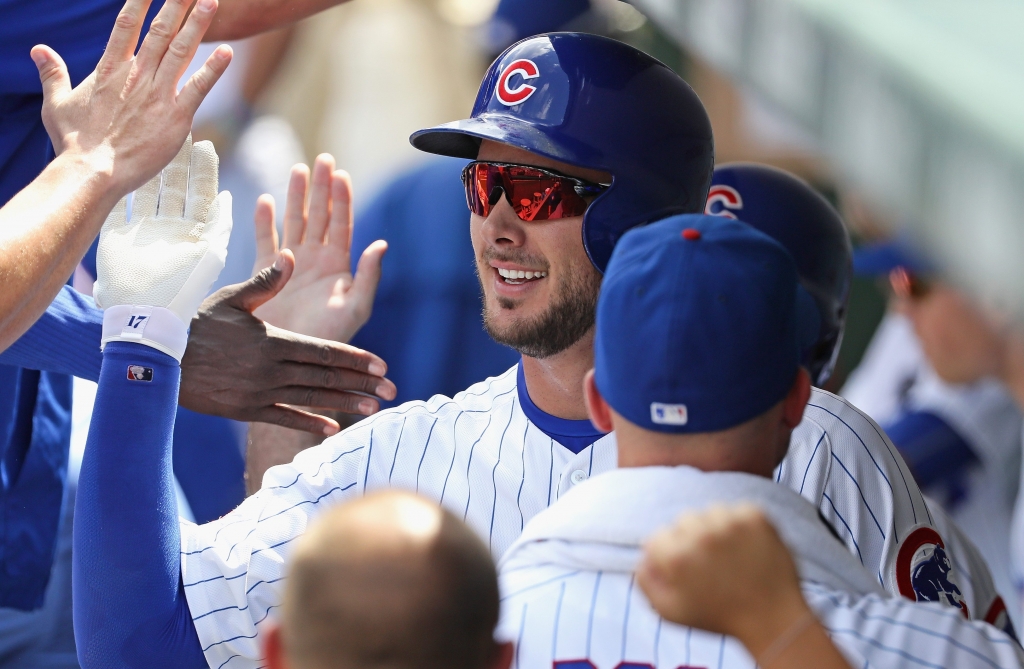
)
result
[(726, 196)]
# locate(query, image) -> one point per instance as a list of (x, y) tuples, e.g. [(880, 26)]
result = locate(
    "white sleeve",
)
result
[(843, 463), (233, 569), (893, 632)]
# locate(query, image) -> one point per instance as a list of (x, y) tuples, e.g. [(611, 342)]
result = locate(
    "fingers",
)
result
[(266, 232), (184, 45), (175, 183), (322, 398), (259, 289), (199, 84), (125, 35), (364, 286), (217, 228), (202, 181), (314, 377), (340, 234), (296, 419), (320, 199), (145, 199), (295, 207), (300, 348), (53, 73), (161, 31)]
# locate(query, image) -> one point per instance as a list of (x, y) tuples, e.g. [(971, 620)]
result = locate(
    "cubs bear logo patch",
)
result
[(924, 572)]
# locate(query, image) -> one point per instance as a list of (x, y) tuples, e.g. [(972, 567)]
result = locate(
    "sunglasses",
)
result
[(534, 193)]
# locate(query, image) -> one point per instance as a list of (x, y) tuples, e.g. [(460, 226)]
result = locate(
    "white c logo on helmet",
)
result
[(526, 69), (727, 197)]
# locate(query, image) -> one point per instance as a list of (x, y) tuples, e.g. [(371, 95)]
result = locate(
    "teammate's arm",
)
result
[(113, 132), (725, 570), (243, 18), (152, 273), (324, 298)]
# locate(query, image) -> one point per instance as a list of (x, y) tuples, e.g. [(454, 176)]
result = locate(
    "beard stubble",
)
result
[(570, 316)]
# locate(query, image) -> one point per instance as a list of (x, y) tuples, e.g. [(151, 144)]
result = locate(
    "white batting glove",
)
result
[(155, 270)]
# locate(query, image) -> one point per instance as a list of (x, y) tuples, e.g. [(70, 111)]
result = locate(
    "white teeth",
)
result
[(520, 274)]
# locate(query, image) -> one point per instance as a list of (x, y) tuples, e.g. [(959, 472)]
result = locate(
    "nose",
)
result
[(502, 228)]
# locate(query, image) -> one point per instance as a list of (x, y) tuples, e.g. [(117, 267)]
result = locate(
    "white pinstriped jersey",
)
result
[(570, 601), (862, 486), (480, 456)]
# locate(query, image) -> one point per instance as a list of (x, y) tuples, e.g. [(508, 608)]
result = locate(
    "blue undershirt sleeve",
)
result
[(65, 340), (130, 608)]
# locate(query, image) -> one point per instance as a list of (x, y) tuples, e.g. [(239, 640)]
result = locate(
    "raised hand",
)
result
[(154, 271), (323, 298), (128, 118)]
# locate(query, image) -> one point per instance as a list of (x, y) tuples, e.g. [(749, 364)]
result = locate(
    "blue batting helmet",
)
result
[(596, 103), (788, 209)]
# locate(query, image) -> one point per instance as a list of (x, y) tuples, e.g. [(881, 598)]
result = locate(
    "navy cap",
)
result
[(515, 19), (700, 324)]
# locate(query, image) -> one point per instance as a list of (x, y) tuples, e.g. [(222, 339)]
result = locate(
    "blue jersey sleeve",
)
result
[(129, 603), (65, 340)]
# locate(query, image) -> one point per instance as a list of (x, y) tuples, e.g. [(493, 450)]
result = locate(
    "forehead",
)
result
[(504, 153)]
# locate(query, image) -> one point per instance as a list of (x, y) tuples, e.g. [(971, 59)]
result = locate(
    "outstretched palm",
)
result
[(323, 298)]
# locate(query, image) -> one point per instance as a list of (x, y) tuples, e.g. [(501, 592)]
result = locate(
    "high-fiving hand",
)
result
[(128, 117), (323, 298)]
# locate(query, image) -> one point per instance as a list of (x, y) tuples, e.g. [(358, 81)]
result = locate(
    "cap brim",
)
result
[(461, 139), (882, 258)]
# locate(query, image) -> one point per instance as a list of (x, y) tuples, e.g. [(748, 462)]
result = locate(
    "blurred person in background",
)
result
[(932, 378), (393, 581)]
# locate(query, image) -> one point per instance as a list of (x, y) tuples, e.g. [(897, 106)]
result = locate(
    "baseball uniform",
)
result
[(570, 601)]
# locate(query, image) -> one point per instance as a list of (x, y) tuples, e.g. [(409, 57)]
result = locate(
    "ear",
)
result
[(795, 402), (598, 410), (503, 655), (273, 648)]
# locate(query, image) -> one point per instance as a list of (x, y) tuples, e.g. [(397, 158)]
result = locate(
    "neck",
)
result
[(755, 447), (555, 383)]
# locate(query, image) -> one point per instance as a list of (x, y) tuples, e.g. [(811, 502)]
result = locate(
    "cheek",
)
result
[(476, 235)]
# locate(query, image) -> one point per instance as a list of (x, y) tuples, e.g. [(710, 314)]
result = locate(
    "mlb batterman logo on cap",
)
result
[(700, 324)]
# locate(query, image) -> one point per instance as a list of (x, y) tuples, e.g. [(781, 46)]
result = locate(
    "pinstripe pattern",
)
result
[(476, 453), (568, 592), (842, 462), (481, 458), (560, 618)]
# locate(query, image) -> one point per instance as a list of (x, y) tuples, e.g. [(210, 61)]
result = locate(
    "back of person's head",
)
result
[(389, 580), (700, 326)]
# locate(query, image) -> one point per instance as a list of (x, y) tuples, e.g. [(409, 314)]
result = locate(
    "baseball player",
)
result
[(561, 153), (700, 326)]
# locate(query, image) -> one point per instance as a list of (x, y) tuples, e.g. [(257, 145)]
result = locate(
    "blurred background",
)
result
[(907, 115)]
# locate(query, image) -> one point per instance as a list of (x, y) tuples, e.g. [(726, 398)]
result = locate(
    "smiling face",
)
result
[(539, 287)]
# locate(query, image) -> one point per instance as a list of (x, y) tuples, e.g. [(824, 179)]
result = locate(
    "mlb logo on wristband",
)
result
[(140, 373), (668, 414)]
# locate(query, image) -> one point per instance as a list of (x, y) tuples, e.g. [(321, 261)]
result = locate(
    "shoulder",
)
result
[(492, 394), (839, 417)]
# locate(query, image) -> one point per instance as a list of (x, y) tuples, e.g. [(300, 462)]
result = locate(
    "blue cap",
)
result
[(699, 324), (883, 257)]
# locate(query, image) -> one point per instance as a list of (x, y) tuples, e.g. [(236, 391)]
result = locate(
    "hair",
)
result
[(364, 591)]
